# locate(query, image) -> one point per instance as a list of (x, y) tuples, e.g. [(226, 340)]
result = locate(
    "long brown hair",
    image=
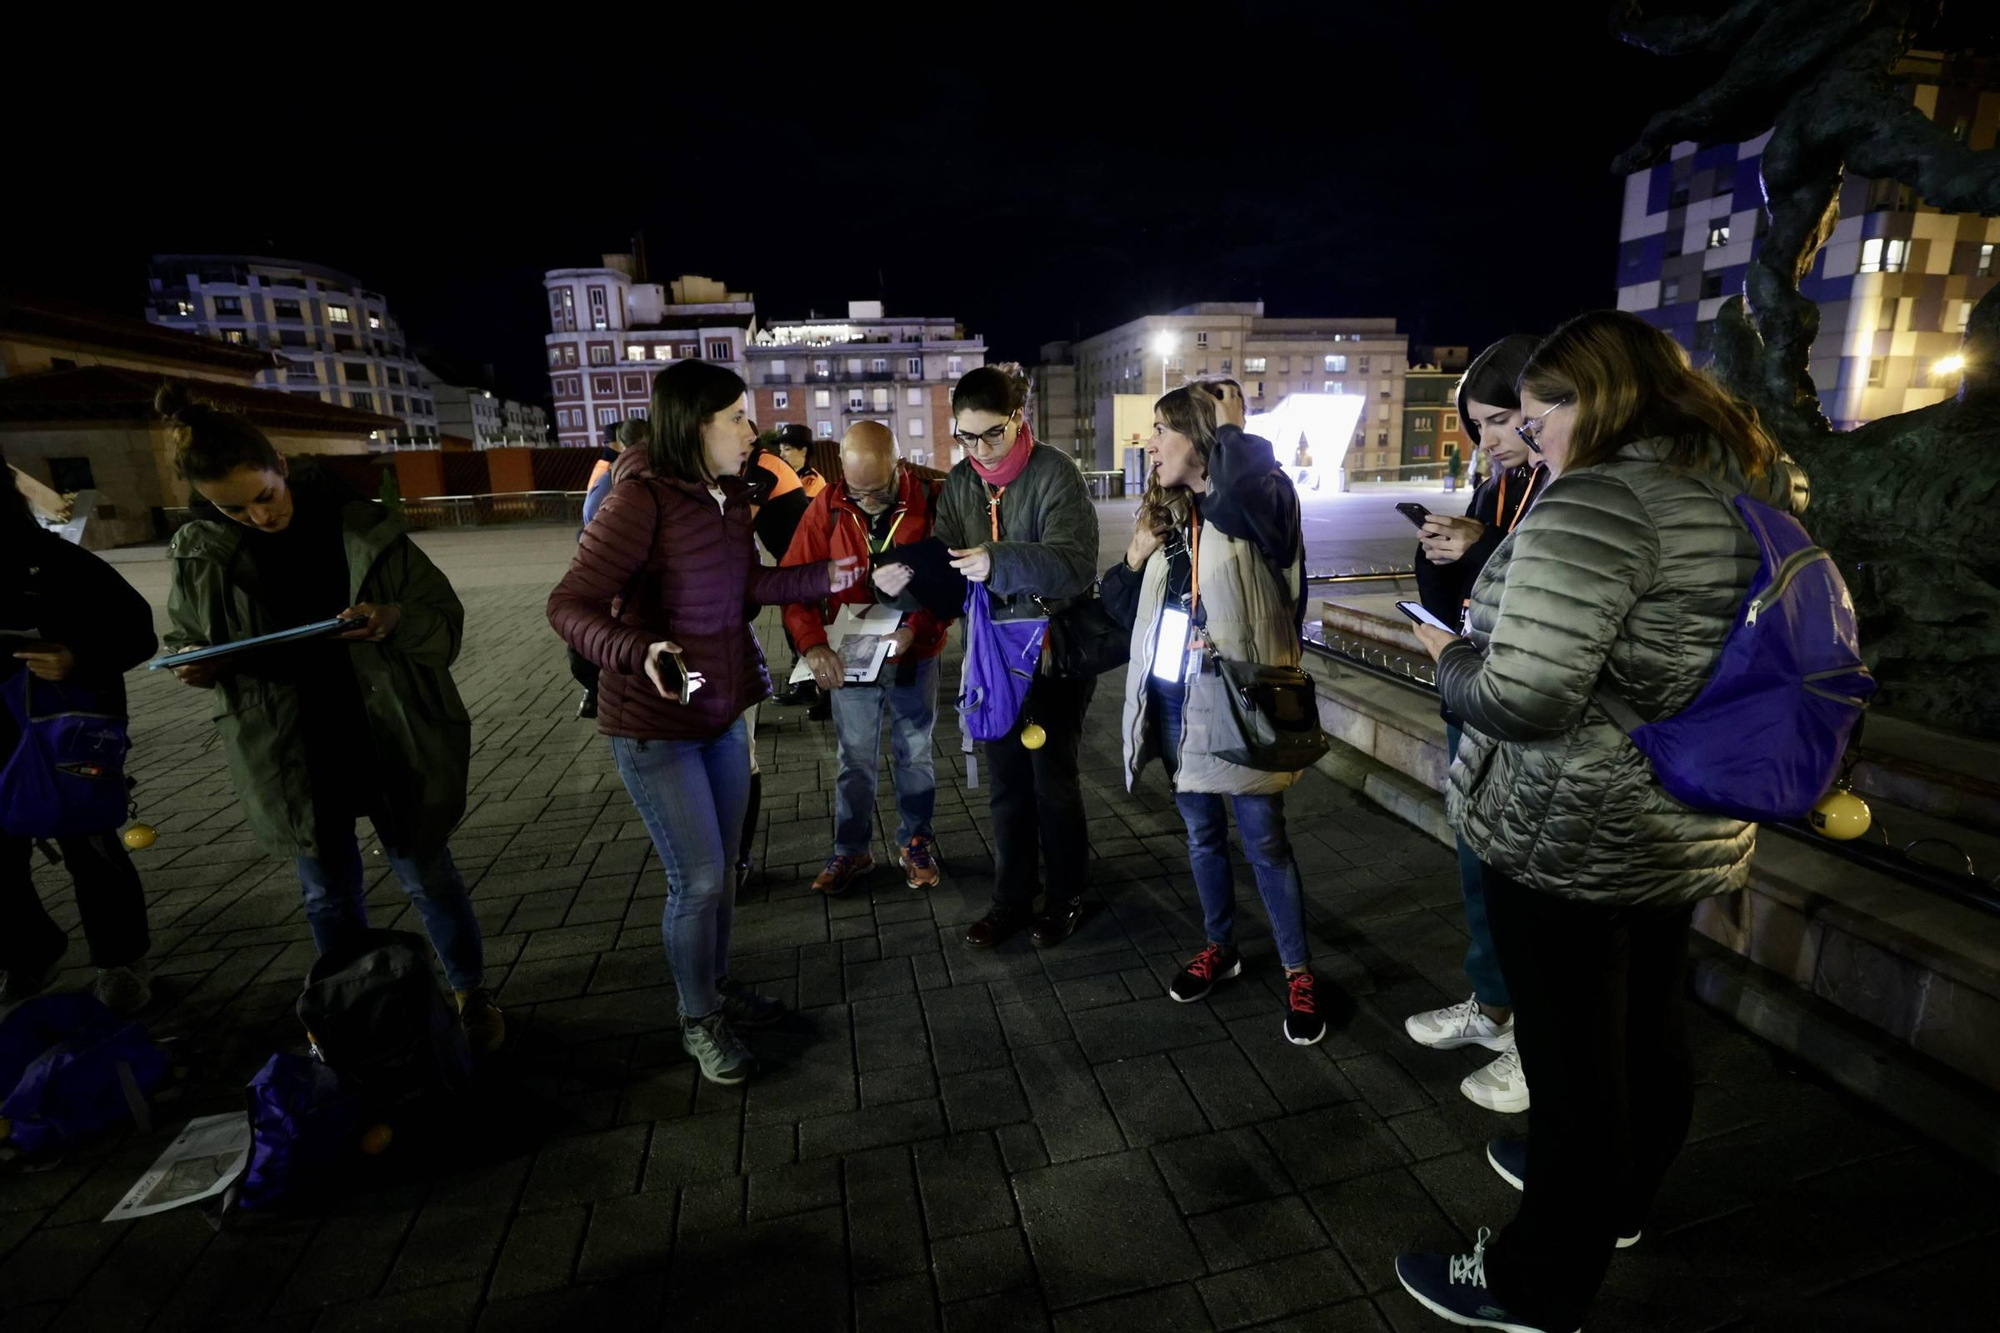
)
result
[(1190, 411), (1630, 382)]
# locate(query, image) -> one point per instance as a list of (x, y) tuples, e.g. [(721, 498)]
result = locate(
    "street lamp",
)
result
[(1166, 342)]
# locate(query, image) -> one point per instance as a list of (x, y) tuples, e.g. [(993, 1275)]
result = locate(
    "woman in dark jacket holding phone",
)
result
[(660, 597), (1450, 555), (89, 628)]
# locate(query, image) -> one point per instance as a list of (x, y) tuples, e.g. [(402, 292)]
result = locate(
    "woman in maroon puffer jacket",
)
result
[(666, 580)]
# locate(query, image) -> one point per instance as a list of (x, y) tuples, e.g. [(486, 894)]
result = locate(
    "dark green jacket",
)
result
[(1046, 555), (421, 734)]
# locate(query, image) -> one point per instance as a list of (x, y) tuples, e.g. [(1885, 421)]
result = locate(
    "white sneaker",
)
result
[(124, 990), (1500, 1086), (1460, 1025)]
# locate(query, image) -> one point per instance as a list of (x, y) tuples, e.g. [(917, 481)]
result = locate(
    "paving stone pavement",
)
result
[(940, 1139)]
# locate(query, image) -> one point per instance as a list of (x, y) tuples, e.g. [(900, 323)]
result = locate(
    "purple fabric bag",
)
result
[(1765, 738), (67, 775), (1000, 661)]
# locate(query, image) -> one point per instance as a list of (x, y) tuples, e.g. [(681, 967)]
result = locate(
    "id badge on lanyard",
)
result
[(1170, 655)]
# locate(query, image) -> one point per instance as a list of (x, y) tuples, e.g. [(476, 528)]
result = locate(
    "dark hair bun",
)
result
[(173, 400)]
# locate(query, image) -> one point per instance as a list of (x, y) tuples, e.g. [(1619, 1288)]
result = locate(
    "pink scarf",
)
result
[(1009, 469)]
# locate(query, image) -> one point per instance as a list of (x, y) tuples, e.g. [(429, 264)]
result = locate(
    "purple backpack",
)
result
[(69, 1068), (1001, 657), (1765, 738), (67, 775)]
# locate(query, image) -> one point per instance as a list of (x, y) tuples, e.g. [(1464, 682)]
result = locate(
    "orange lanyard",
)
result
[(993, 508), (1526, 499), (887, 537)]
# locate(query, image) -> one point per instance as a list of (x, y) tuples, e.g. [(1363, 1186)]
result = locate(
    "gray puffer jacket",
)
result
[(1629, 575)]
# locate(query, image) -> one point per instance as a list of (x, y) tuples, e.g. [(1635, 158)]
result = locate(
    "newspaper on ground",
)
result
[(202, 1162)]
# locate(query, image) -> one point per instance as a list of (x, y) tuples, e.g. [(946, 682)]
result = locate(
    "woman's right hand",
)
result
[(201, 675), (890, 580), (1144, 542)]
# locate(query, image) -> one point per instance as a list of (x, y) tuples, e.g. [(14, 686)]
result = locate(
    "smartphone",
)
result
[(1416, 612), (1413, 511)]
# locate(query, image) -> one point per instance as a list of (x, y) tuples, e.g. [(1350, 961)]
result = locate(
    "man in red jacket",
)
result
[(880, 504)]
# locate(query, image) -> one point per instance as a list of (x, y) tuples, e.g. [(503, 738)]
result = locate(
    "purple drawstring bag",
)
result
[(1000, 661)]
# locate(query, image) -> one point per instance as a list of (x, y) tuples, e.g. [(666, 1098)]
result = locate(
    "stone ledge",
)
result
[(1919, 970)]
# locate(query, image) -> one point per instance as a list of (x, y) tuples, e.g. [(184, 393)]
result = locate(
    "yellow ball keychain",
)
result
[(139, 837), (1033, 737), (1840, 815)]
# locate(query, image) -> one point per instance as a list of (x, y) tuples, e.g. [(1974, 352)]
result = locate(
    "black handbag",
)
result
[(1262, 717), (1084, 641)]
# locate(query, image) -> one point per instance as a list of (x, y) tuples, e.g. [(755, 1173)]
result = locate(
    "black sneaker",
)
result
[(1303, 1024), (745, 1008), (1453, 1286), (1216, 962), (586, 707)]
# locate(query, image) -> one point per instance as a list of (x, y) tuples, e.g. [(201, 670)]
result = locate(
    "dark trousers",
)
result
[(1037, 801), (1599, 1017), (108, 897)]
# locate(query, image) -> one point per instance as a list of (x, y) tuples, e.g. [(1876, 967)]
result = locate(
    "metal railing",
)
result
[(432, 512), (1105, 485), (1878, 851)]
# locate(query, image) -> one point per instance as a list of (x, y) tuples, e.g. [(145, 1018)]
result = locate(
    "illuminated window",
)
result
[(1985, 267), (1890, 256), (1422, 422), (555, 356), (569, 354), (1451, 421), (339, 314), (663, 351), (1253, 365), (781, 400), (1718, 234), (635, 353), (1334, 386), (881, 400), (825, 429), (822, 398), (187, 307), (1336, 365), (375, 322)]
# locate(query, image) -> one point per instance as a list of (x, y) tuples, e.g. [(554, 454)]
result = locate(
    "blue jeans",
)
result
[(692, 796), (857, 723), (1260, 820), (1482, 960), (332, 883)]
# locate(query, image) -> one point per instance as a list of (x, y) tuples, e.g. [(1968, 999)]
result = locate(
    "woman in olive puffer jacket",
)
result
[(1626, 576)]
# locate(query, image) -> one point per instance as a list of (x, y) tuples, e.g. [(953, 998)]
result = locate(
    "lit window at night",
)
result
[(339, 314)]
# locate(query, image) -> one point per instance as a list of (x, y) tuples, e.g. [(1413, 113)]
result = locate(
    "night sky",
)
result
[(1036, 177)]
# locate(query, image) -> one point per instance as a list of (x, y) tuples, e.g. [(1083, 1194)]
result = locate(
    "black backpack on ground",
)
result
[(378, 1017)]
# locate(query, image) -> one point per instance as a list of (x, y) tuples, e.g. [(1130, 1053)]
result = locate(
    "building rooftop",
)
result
[(86, 329), (111, 393)]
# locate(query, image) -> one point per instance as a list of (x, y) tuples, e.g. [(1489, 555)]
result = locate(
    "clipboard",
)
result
[(317, 629)]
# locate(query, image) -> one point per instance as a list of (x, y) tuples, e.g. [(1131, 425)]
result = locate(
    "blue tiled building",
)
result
[(1894, 285)]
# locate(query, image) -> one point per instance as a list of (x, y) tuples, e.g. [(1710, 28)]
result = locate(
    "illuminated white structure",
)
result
[(1314, 435), (1273, 359)]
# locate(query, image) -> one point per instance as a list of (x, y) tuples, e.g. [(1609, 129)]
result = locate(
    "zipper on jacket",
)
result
[(1794, 565)]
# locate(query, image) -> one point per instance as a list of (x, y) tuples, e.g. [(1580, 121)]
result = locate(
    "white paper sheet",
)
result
[(870, 627), (202, 1162)]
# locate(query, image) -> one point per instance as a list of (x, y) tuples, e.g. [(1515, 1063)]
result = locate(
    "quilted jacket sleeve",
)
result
[(614, 548), (1580, 560)]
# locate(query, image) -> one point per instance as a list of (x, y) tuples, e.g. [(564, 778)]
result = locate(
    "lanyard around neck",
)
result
[(867, 540)]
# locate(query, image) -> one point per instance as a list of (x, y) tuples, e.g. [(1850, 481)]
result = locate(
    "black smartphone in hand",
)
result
[(1413, 511)]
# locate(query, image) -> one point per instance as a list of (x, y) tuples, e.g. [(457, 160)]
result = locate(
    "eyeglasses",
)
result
[(1530, 430), (879, 495), (988, 437)]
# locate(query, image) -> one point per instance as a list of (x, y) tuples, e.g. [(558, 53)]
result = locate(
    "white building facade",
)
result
[(334, 340)]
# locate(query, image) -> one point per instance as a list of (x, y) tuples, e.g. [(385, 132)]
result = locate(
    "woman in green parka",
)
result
[(325, 731)]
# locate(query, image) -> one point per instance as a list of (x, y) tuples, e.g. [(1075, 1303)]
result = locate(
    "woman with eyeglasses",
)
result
[(1216, 557), (1626, 576), (660, 596), (1018, 518), (1451, 552)]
